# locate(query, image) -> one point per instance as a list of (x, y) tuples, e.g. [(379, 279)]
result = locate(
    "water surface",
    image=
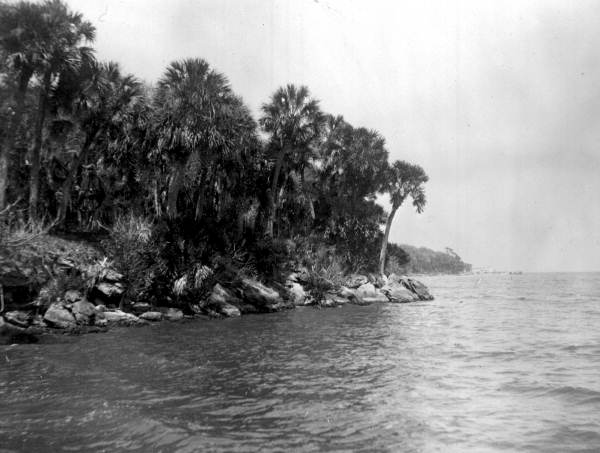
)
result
[(495, 363)]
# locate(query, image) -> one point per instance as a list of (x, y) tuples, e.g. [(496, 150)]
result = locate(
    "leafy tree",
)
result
[(98, 97), (294, 120), (21, 55), (61, 38), (196, 115), (403, 180)]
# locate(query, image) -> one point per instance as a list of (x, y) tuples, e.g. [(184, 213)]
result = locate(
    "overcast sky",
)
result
[(499, 101)]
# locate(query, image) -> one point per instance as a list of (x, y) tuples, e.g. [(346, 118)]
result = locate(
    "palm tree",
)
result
[(99, 98), (20, 25), (61, 37), (404, 180), (294, 120), (198, 114)]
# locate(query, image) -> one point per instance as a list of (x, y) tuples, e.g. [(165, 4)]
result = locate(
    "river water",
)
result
[(495, 363)]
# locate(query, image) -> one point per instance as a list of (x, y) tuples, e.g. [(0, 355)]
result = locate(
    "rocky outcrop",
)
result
[(222, 302), (417, 288), (260, 296), (398, 293)]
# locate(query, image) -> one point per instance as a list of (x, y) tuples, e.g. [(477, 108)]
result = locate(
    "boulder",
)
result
[(60, 317), (368, 293), (260, 296), (120, 317), (417, 288), (151, 316), (398, 293), (331, 300), (356, 280), (297, 293), (111, 276), (18, 318), (72, 296), (222, 302), (84, 312), (99, 318), (10, 333), (173, 314), (110, 290)]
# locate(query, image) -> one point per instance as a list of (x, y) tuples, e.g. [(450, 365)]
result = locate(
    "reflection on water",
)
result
[(495, 363)]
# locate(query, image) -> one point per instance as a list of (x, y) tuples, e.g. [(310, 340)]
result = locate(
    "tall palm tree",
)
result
[(62, 36), (404, 180), (20, 45), (294, 120), (197, 114), (99, 98)]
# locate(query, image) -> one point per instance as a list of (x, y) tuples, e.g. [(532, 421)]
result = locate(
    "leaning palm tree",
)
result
[(62, 37), (294, 120), (404, 180), (196, 115)]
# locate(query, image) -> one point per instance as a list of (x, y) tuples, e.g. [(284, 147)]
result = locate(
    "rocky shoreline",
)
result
[(56, 286), (96, 311)]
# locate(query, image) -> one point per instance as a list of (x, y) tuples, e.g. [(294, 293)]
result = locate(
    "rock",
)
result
[(260, 296), (72, 296), (112, 276), (223, 302), (141, 307), (173, 314), (100, 308), (356, 280), (333, 300), (100, 319), (152, 316), (417, 288), (398, 293), (297, 293), (368, 293), (60, 317), (110, 290), (10, 333), (18, 318), (84, 312), (120, 317)]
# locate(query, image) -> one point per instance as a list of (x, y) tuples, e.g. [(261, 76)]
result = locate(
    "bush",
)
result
[(137, 255)]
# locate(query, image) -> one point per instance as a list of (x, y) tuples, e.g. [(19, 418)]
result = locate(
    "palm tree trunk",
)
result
[(175, 184), (68, 183), (34, 174), (384, 243), (273, 195), (8, 144)]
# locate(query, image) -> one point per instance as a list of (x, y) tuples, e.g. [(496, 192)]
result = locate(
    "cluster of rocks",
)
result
[(95, 310), (359, 289)]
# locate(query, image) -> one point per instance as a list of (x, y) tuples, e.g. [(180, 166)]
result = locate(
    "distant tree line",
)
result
[(183, 163), (421, 260)]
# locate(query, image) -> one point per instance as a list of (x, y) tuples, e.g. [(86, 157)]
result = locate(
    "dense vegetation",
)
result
[(179, 176)]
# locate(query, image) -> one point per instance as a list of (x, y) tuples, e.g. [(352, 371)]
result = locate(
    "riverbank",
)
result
[(53, 285)]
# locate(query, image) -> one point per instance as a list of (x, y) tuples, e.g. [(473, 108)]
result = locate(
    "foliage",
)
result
[(191, 188)]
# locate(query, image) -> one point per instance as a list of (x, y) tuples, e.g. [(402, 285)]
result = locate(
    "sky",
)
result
[(498, 101)]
